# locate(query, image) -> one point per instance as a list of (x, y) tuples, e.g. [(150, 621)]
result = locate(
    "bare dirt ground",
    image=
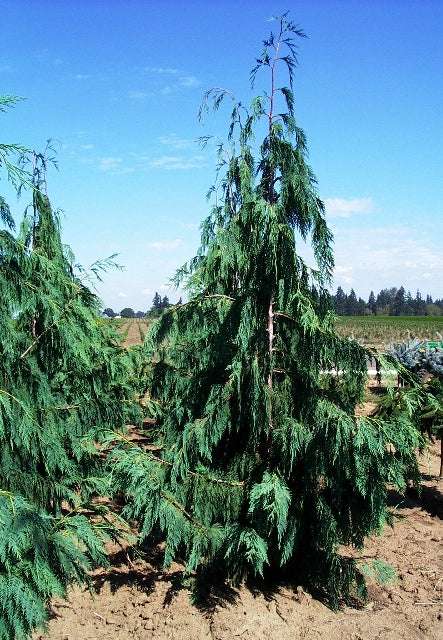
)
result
[(138, 599)]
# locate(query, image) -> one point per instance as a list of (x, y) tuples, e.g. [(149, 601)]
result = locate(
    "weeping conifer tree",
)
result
[(64, 381), (258, 463)]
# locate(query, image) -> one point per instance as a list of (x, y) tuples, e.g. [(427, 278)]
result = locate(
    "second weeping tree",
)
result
[(64, 381), (258, 462)]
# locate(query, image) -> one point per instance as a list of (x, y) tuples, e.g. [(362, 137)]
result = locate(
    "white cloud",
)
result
[(87, 147), (174, 141), (161, 70), (121, 295), (376, 257), (81, 76), (344, 275), (189, 82), (166, 244), (139, 95), (341, 208), (181, 79), (113, 166), (177, 162)]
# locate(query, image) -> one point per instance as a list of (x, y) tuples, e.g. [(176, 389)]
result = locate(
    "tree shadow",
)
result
[(429, 500), (126, 570)]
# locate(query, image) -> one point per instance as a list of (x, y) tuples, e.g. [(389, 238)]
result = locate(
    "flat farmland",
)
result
[(133, 330), (373, 331), (379, 331)]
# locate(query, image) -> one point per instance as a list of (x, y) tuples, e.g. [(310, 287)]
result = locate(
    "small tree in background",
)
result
[(127, 312), (258, 462), (156, 309), (63, 384), (159, 305)]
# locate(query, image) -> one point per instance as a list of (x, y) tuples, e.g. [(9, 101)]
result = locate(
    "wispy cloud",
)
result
[(378, 257), (175, 142), (189, 82), (114, 166), (344, 274), (161, 70), (82, 76), (166, 244), (181, 79), (6, 68), (142, 96), (178, 162), (341, 208)]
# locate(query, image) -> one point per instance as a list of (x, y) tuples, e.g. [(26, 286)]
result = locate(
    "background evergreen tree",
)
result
[(63, 383), (419, 305), (398, 304), (340, 300), (351, 303), (159, 305), (156, 308), (258, 463), (371, 303), (383, 302)]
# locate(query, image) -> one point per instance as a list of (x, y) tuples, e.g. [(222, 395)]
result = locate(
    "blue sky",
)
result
[(118, 85)]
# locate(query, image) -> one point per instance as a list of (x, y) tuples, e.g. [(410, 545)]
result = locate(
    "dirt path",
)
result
[(138, 600)]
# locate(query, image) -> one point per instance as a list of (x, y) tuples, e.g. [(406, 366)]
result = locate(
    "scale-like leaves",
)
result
[(64, 380), (257, 437)]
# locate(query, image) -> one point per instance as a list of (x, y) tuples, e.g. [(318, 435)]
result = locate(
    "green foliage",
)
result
[(40, 556), (64, 382), (380, 571), (8, 152), (257, 462)]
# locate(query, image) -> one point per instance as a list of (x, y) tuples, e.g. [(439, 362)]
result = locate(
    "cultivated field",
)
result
[(373, 331), (133, 330), (379, 331)]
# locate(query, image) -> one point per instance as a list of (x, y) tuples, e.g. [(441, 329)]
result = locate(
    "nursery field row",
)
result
[(379, 331), (373, 331)]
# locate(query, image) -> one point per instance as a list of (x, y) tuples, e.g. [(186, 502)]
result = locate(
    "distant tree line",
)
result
[(389, 302), (159, 305)]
